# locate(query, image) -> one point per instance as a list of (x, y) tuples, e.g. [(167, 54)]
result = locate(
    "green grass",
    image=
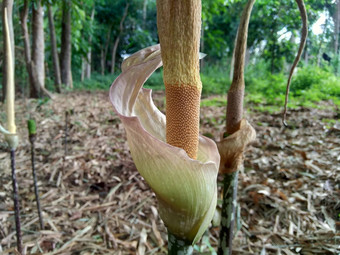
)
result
[(264, 90), (97, 82)]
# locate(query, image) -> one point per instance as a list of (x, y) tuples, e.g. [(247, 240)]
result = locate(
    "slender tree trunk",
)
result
[(104, 49), (323, 36), (337, 28), (114, 52), (115, 46), (102, 61), (27, 47), (55, 57), (8, 4), (89, 53), (82, 76), (65, 53), (34, 84), (306, 55), (38, 48), (145, 5)]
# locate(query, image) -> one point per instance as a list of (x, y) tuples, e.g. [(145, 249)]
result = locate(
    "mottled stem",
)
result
[(234, 117), (66, 134), (177, 246), (236, 91), (36, 191), (16, 202), (230, 182)]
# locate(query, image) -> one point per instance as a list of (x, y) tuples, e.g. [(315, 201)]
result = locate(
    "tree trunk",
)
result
[(34, 84), (83, 61), (115, 46), (306, 55), (65, 54), (102, 61), (8, 4), (38, 46), (27, 47), (323, 36), (337, 28), (55, 57), (114, 52), (145, 5), (89, 53)]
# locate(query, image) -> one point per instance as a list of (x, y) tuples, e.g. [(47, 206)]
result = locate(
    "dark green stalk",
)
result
[(36, 191), (177, 246), (32, 136), (66, 134), (228, 213), (16, 203)]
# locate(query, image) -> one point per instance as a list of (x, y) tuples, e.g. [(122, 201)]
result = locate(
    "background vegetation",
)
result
[(102, 33)]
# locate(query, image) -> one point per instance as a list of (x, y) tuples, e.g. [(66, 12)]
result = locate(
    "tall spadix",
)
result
[(179, 24), (10, 81)]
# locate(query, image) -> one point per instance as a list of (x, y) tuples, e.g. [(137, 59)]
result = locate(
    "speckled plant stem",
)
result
[(16, 202), (230, 182), (178, 247), (36, 191), (234, 117)]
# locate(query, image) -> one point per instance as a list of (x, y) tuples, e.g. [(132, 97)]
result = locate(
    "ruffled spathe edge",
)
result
[(186, 189)]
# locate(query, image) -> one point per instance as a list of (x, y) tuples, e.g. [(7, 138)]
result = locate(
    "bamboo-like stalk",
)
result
[(177, 246), (32, 137), (16, 202), (229, 202), (66, 134), (234, 117)]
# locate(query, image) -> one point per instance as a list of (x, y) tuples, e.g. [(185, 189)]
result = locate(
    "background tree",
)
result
[(35, 57), (54, 49), (65, 52)]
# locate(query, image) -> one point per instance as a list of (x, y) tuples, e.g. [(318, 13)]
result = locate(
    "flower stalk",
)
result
[(177, 246), (238, 133), (16, 203), (10, 134)]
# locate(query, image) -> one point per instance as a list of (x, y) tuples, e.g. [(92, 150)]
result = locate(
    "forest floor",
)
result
[(95, 202)]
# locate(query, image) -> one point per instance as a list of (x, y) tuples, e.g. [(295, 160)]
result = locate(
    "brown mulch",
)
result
[(95, 202)]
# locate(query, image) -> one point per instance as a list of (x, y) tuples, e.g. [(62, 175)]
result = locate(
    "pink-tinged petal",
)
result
[(186, 189)]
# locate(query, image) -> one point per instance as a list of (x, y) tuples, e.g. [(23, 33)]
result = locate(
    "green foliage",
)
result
[(316, 79), (97, 82), (215, 80), (215, 101), (155, 81), (309, 86)]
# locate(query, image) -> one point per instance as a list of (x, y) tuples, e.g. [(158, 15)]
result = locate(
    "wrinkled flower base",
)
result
[(186, 189), (232, 147)]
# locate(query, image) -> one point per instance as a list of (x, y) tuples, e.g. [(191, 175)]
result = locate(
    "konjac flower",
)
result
[(185, 188)]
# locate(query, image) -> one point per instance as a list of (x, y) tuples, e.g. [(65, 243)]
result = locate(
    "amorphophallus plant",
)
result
[(180, 166), (185, 188)]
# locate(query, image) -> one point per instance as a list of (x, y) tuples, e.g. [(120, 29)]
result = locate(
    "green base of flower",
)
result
[(178, 246)]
